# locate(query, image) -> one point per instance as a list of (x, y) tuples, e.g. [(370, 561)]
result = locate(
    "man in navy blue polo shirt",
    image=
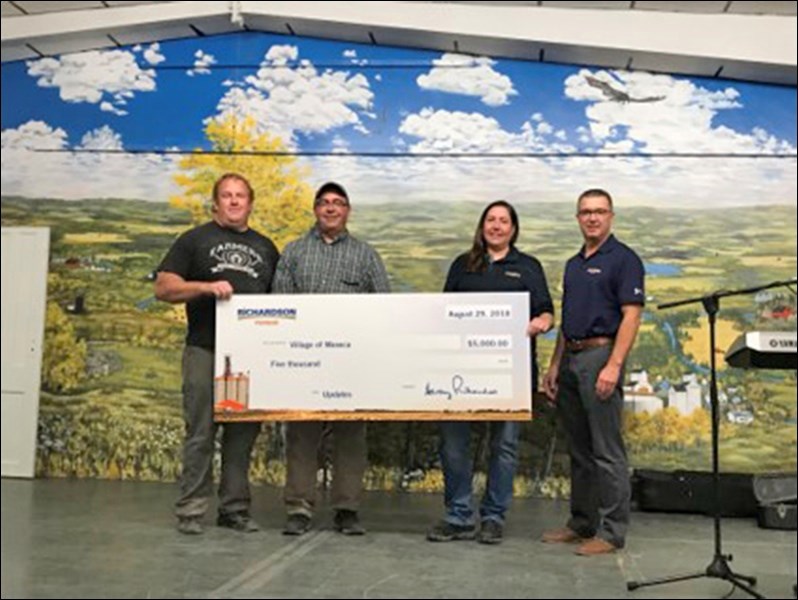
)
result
[(603, 296)]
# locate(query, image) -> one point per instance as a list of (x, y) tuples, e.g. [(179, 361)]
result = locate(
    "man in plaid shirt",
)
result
[(327, 260)]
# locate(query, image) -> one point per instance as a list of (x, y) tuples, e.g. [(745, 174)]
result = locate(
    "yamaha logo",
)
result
[(782, 343)]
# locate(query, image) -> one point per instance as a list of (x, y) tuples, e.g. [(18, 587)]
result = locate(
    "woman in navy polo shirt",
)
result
[(493, 265)]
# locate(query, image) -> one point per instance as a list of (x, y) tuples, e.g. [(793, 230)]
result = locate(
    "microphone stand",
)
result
[(719, 567)]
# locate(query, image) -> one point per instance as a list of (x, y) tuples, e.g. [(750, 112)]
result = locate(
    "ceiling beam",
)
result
[(749, 47)]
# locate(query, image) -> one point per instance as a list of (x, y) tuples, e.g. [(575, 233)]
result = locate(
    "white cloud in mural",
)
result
[(75, 175), (285, 101), (102, 138), (443, 131), (104, 77), (202, 61), (106, 106), (469, 76), (23, 169), (651, 113), (281, 55), (439, 179), (33, 134), (351, 54), (667, 182), (153, 54), (312, 107), (448, 179), (633, 180), (340, 145)]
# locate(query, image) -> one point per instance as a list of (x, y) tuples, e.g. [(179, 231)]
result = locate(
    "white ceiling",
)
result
[(693, 6), (602, 33), (757, 7)]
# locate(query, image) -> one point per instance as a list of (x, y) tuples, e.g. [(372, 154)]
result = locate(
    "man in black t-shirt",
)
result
[(209, 263)]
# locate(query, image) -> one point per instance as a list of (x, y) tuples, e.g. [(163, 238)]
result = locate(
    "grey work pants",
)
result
[(196, 479), (600, 490)]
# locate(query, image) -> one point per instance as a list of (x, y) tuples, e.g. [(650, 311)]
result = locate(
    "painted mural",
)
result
[(116, 150)]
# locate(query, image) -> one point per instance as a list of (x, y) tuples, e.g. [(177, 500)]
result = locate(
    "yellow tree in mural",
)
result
[(64, 357), (283, 201)]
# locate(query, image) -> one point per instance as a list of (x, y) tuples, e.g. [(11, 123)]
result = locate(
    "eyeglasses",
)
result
[(337, 203), (586, 213)]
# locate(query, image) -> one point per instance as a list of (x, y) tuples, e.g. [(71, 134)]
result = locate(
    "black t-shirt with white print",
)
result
[(211, 252)]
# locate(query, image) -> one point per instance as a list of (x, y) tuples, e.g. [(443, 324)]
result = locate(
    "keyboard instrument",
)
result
[(764, 350)]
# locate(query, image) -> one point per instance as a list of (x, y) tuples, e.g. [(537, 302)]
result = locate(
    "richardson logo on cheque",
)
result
[(266, 314)]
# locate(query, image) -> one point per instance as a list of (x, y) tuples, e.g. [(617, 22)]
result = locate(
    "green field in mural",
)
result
[(118, 414)]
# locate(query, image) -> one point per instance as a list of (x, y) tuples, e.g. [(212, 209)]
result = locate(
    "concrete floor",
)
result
[(101, 539)]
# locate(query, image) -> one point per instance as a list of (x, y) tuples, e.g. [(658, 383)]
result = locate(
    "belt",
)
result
[(587, 343)]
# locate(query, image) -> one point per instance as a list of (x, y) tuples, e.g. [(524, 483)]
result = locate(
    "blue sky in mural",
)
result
[(350, 99)]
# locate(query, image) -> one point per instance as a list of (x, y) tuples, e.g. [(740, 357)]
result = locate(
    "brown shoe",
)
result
[(595, 546), (563, 535)]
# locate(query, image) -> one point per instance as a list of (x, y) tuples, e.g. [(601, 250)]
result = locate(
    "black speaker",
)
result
[(777, 494), (691, 492), (770, 488)]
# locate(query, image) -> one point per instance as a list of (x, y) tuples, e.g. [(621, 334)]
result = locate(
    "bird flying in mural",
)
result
[(616, 95)]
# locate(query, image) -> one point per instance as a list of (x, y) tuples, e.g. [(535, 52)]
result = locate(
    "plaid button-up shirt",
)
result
[(309, 265)]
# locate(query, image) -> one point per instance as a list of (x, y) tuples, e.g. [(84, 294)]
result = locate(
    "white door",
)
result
[(25, 252)]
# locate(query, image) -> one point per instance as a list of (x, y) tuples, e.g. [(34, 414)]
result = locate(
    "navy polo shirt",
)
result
[(595, 289), (516, 272)]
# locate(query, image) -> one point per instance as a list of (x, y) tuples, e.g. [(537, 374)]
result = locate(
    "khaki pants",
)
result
[(348, 463)]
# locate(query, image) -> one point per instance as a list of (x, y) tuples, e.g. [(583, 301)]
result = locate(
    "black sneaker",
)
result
[(190, 525), (491, 532), (296, 524), (348, 523), (449, 532), (239, 521)]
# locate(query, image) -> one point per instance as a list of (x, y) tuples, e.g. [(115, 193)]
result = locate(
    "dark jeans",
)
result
[(457, 471), (196, 480), (600, 490)]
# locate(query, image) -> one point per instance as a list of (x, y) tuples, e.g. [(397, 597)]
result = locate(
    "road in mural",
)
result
[(116, 150)]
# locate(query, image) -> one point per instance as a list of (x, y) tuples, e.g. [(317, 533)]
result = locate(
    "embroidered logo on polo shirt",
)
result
[(513, 274), (594, 271)]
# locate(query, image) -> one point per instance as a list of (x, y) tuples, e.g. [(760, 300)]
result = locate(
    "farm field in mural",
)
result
[(116, 150)]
